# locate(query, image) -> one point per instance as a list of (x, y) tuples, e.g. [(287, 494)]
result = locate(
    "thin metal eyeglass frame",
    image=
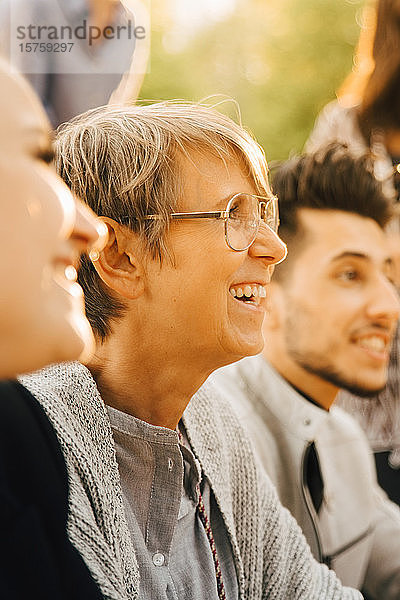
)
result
[(224, 214)]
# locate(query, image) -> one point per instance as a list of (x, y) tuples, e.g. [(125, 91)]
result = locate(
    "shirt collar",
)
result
[(288, 405)]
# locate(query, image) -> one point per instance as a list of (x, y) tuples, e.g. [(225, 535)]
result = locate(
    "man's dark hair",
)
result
[(330, 179)]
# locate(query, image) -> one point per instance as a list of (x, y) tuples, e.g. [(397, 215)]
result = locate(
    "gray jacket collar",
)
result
[(288, 406)]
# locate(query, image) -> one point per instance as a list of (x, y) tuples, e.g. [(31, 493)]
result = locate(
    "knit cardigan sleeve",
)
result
[(290, 570), (96, 525), (273, 559)]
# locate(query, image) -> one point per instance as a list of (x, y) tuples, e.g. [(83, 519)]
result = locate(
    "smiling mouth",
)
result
[(251, 293), (374, 343)]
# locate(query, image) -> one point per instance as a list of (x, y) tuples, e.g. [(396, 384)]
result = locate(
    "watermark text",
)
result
[(90, 33)]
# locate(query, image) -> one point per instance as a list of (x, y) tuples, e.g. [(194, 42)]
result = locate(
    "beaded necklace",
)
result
[(201, 509)]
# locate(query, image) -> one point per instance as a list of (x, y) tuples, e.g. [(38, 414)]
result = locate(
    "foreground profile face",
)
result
[(339, 308), (42, 232)]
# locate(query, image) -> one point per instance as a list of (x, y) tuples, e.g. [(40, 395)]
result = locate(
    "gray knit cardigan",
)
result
[(271, 555)]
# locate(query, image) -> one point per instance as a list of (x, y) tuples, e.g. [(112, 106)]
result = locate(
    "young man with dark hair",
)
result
[(331, 315)]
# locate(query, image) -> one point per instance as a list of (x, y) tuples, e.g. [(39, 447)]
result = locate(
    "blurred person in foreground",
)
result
[(43, 230), (331, 314), (185, 195), (74, 52), (366, 116)]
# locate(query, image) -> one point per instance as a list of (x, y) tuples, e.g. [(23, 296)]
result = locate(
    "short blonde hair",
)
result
[(124, 163)]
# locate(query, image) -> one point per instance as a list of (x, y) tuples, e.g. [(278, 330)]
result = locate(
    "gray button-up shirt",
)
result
[(160, 479)]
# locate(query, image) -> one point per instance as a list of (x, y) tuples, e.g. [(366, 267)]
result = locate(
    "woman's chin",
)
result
[(85, 339)]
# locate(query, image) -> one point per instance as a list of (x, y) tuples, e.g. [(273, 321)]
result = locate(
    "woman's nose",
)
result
[(268, 245), (89, 232)]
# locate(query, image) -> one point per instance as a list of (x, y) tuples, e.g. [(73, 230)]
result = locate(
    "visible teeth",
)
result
[(253, 291), (248, 291), (373, 343)]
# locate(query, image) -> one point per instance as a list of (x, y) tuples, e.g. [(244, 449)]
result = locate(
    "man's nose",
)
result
[(268, 245), (385, 302)]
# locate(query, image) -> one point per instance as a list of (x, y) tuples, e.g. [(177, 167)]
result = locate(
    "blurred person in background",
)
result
[(331, 314), (70, 80), (43, 230), (366, 116)]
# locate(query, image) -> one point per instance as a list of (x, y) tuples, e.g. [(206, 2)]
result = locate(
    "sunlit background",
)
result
[(282, 60)]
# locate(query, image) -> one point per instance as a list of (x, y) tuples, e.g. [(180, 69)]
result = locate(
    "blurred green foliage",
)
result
[(282, 60)]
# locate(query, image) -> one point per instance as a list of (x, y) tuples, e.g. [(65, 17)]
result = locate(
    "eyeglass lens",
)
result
[(244, 219)]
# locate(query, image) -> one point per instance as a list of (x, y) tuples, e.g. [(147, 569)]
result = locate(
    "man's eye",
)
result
[(348, 275)]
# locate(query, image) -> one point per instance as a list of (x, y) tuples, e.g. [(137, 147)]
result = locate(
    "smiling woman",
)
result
[(43, 231)]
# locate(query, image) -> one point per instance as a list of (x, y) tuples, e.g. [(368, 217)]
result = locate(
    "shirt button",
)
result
[(158, 559), (170, 464), (307, 422)]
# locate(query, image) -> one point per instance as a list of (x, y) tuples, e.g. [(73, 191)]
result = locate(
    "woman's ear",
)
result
[(120, 263)]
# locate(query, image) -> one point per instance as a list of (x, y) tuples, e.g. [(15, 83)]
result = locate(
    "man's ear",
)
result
[(120, 263)]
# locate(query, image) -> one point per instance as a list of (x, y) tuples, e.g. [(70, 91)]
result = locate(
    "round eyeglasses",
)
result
[(242, 218)]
